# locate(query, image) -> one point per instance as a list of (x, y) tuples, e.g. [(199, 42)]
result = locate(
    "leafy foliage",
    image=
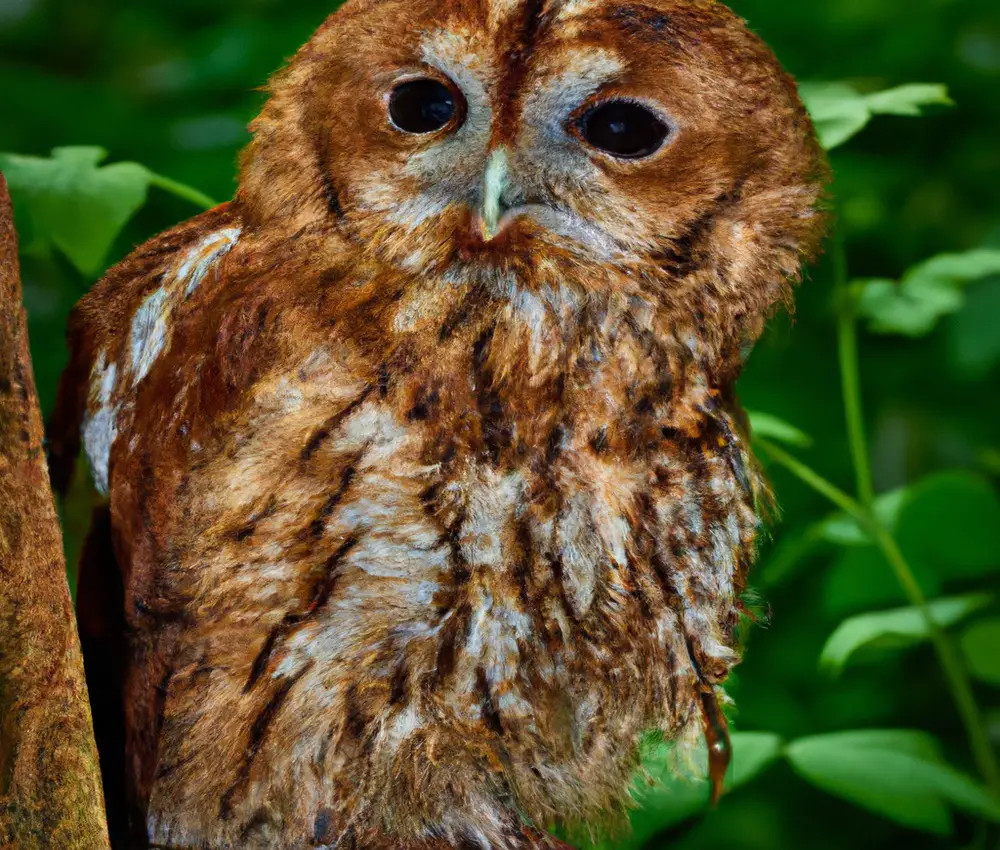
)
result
[(665, 797), (896, 773), (927, 292), (77, 205), (981, 645), (167, 85), (770, 426), (840, 111), (900, 628)]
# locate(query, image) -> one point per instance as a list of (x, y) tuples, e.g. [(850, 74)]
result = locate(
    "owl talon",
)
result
[(720, 749)]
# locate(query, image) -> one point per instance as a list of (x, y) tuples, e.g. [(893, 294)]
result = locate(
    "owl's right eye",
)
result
[(422, 106)]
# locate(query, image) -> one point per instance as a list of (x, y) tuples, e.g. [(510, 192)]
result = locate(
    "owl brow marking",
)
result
[(517, 64)]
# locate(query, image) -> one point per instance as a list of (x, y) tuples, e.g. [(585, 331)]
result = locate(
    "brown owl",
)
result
[(428, 492)]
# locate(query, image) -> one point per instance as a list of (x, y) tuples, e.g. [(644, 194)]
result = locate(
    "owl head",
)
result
[(655, 148)]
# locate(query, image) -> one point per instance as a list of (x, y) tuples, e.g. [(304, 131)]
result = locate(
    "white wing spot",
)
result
[(100, 422), (150, 328), (202, 257), (149, 333)]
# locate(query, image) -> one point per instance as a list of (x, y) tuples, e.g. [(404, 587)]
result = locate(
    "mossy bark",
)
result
[(50, 786)]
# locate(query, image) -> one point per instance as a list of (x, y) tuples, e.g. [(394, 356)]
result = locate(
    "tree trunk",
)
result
[(50, 787)]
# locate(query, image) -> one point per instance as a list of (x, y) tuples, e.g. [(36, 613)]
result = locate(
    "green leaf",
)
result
[(861, 579), (839, 111), (981, 644), (948, 524), (898, 628), (74, 203), (898, 774), (906, 309), (773, 428), (908, 100), (80, 206), (753, 753), (958, 268), (973, 340), (665, 799), (934, 289)]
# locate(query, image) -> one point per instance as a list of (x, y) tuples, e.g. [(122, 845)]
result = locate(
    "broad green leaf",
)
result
[(949, 524), (839, 111), (894, 773), (934, 289), (914, 742), (893, 629), (908, 100), (907, 309), (860, 579), (773, 428), (972, 335), (753, 753), (981, 644), (74, 203), (80, 206), (665, 799), (839, 529), (958, 268)]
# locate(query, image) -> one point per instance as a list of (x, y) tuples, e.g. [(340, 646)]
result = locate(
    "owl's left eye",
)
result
[(422, 106), (623, 129)]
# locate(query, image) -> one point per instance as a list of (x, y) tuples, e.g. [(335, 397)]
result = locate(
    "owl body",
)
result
[(428, 491)]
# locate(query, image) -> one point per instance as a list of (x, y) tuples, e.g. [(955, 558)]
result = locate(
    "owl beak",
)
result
[(495, 183)]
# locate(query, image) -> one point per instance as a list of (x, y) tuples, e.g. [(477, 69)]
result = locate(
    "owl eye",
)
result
[(623, 129), (422, 106)]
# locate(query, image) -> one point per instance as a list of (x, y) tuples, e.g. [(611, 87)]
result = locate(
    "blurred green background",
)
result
[(172, 85)]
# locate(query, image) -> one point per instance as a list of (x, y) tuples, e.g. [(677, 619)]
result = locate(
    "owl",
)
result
[(427, 491)]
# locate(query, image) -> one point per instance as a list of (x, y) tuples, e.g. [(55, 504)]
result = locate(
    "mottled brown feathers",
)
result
[(420, 526)]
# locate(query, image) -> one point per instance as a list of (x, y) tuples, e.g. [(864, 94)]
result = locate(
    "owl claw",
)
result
[(717, 737)]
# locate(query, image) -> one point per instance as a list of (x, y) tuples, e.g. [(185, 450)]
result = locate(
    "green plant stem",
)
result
[(850, 376), (863, 510), (188, 193), (948, 657)]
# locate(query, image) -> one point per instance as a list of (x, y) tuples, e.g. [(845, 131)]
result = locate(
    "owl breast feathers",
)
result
[(428, 492)]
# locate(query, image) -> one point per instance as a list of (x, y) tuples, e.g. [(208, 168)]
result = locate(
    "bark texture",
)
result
[(50, 788)]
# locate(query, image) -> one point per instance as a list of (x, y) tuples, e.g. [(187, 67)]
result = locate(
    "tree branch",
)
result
[(50, 786)]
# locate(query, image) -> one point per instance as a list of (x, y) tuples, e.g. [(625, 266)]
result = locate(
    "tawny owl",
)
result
[(428, 492)]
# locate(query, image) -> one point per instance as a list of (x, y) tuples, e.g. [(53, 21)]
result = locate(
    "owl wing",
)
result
[(115, 333)]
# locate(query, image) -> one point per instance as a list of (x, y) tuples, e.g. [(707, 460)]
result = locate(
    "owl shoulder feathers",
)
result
[(119, 328)]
